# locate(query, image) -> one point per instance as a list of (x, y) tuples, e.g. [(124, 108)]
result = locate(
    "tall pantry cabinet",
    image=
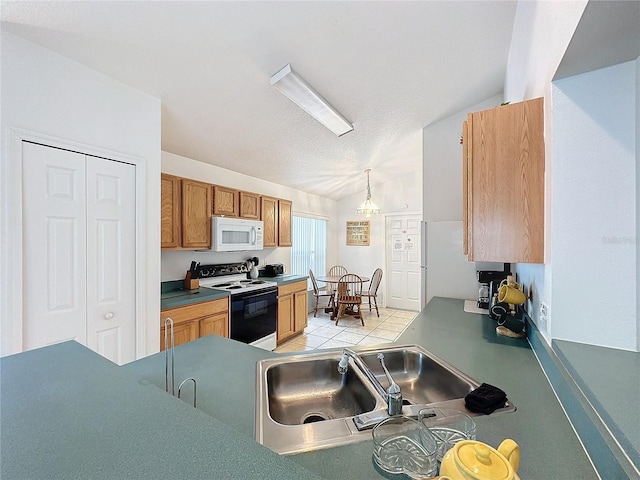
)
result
[(503, 183)]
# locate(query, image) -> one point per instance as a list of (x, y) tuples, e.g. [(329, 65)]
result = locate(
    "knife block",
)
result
[(191, 283)]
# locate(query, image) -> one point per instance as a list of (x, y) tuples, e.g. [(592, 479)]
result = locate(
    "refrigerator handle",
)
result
[(423, 244)]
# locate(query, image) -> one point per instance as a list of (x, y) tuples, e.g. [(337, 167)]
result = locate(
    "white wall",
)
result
[(594, 208), (541, 33), (402, 195), (442, 164), (175, 263), (50, 95)]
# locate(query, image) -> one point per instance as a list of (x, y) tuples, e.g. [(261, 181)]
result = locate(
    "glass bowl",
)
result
[(404, 445), (448, 427)]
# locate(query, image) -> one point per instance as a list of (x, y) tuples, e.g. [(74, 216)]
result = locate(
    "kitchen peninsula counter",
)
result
[(73, 414)]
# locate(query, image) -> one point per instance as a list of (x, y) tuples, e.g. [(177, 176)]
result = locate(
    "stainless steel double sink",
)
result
[(304, 404)]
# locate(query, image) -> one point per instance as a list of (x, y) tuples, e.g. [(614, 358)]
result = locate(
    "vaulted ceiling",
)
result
[(390, 67)]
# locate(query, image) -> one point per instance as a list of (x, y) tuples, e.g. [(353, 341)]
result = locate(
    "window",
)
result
[(309, 250)]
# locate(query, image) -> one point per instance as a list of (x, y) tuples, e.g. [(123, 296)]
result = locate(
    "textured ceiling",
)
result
[(391, 68)]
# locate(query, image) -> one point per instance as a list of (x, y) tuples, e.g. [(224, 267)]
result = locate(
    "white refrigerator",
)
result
[(446, 272)]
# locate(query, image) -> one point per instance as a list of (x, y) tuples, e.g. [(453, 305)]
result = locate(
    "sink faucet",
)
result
[(392, 395)]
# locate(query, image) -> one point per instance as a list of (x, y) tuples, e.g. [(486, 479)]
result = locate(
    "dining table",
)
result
[(334, 280)]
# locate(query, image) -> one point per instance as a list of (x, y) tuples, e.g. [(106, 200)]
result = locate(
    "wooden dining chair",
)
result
[(349, 296), (336, 271), (372, 292), (317, 294)]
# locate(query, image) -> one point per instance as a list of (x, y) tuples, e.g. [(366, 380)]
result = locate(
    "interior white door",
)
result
[(54, 246), (111, 243), (402, 234), (79, 251)]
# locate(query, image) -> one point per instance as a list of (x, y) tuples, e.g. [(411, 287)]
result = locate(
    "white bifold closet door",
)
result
[(79, 251)]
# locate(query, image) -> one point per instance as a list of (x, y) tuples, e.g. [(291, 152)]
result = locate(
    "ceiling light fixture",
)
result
[(368, 208), (300, 92)]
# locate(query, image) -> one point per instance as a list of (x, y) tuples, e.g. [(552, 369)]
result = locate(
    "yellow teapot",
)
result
[(472, 460)]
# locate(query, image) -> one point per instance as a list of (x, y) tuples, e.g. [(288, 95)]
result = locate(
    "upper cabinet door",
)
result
[(270, 220), (465, 189), (284, 223), (170, 212), (196, 214), (504, 166), (250, 205), (225, 201)]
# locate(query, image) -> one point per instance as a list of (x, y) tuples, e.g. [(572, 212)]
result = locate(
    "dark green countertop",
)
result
[(286, 278), (68, 413), (173, 295), (550, 448), (71, 399), (179, 297)]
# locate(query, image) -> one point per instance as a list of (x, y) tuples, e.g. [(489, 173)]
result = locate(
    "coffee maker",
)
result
[(489, 283)]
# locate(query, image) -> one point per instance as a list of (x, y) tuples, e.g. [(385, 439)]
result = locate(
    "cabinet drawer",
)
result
[(190, 312), (292, 288)]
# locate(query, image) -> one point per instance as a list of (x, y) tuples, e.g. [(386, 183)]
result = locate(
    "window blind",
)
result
[(309, 250)]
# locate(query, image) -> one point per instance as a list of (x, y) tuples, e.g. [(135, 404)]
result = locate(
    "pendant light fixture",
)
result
[(368, 208)]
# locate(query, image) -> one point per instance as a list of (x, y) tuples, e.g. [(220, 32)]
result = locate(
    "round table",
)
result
[(334, 279)]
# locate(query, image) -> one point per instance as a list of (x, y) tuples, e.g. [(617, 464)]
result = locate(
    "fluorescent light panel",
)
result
[(301, 93)]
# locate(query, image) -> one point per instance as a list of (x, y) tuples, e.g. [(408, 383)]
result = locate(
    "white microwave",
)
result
[(236, 234)]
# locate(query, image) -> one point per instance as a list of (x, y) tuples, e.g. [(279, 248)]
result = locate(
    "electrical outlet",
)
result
[(544, 316), (544, 310)]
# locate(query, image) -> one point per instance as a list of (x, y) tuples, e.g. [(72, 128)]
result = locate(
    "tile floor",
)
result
[(322, 332)]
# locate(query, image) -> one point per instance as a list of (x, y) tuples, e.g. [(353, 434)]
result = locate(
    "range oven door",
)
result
[(254, 315)]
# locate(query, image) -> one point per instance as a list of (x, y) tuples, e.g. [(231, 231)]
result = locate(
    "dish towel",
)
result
[(485, 399)]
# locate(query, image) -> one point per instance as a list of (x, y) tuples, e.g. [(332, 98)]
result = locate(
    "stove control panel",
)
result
[(219, 270)]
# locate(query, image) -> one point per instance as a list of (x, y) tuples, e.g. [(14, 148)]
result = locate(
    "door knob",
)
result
[(109, 316)]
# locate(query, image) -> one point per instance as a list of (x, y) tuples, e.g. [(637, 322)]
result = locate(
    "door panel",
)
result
[(111, 259), (403, 262), (79, 243), (54, 247)]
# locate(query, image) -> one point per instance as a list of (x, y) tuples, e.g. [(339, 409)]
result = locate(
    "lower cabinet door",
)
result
[(286, 311), (182, 333), (301, 301), (215, 325)]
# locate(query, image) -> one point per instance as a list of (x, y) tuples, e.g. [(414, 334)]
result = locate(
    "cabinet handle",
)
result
[(109, 316)]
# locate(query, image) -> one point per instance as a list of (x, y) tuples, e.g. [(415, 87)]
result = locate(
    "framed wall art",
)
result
[(358, 232)]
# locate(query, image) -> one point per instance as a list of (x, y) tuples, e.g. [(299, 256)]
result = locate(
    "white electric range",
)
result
[(254, 302)]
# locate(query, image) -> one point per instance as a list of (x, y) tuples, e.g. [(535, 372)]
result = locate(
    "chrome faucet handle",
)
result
[(343, 365), (394, 401)]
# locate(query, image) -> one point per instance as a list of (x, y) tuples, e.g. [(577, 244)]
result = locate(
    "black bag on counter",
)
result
[(485, 399)]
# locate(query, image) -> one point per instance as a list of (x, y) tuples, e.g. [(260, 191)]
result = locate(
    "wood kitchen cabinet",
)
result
[(170, 209), (188, 205), (292, 309), (185, 213), (249, 205), (284, 223), (503, 183), (197, 320), (270, 221), (196, 214), (277, 219), (226, 201)]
